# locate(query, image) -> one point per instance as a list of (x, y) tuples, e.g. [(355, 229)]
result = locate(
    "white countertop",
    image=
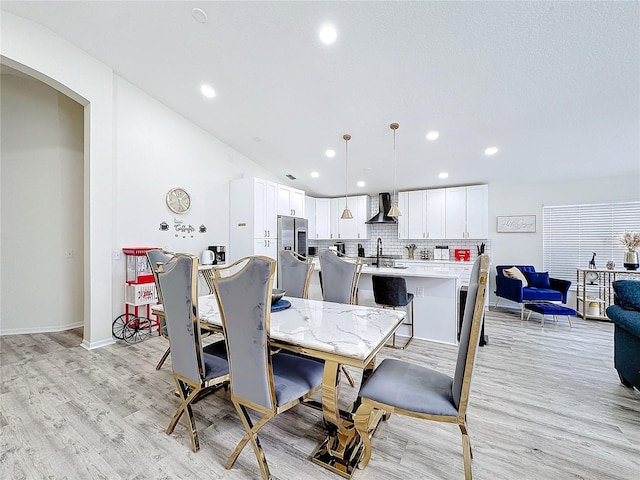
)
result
[(412, 270), (353, 331)]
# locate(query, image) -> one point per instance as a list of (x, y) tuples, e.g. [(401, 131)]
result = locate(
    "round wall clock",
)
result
[(178, 200)]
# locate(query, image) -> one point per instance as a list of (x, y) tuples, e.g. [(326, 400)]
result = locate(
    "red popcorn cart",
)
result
[(139, 291)]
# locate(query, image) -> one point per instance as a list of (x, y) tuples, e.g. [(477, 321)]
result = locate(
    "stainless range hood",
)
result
[(384, 204)]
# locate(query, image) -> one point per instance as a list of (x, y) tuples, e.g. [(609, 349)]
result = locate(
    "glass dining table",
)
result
[(337, 333)]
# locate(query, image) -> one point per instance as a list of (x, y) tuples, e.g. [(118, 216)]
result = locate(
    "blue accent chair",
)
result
[(625, 313), (512, 289)]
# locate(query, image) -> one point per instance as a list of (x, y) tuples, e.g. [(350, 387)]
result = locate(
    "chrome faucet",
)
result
[(378, 251)]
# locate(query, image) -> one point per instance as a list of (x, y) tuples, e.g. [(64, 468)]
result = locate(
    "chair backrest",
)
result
[(178, 282), (339, 277), (470, 333), (388, 290), (294, 273), (244, 300), (157, 257)]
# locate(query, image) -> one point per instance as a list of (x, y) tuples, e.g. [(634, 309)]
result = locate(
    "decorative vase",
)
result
[(631, 260)]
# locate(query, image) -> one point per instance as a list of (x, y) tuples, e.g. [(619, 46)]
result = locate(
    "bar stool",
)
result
[(391, 292)]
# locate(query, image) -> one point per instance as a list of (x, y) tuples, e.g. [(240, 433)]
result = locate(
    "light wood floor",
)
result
[(545, 404)]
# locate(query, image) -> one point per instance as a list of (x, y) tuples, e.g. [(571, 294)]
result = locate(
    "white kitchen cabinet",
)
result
[(323, 218), (266, 246), (403, 220), (310, 215), (467, 212), (412, 224), (478, 211), (252, 215), (290, 201), (355, 228), (456, 212), (436, 213)]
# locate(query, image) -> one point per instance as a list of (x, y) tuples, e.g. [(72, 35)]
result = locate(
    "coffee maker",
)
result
[(219, 254), (340, 248)]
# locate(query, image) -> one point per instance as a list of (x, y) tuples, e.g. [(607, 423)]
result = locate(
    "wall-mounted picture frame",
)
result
[(516, 224)]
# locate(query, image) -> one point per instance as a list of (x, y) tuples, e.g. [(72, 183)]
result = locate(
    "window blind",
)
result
[(572, 233)]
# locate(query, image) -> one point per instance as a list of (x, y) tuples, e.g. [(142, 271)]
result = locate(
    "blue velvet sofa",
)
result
[(540, 287), (625, 313)]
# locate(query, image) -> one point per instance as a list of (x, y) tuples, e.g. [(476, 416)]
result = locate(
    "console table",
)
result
[(594, 290)]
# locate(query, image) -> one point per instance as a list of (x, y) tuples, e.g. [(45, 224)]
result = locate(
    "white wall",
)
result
[(115, 195), (42, 207), (157, 149)]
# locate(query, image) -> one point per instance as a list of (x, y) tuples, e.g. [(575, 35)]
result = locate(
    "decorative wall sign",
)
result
[(516, 224)]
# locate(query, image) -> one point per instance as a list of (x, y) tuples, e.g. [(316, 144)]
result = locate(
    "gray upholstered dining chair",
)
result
[(339, 277), (261, 381), (416, 391), (157, 257), (340, 283), (294, 273), (196, 371)]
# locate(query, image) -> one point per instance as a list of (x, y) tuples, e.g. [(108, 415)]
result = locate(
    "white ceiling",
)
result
[(554, 85)]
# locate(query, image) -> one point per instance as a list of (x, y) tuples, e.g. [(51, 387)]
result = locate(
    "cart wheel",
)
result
[(118, 325), (137, 330)]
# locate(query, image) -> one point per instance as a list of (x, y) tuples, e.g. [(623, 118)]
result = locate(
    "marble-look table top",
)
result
[(354, 332)]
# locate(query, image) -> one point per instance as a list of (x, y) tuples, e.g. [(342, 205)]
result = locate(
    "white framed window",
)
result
[(572, 233)]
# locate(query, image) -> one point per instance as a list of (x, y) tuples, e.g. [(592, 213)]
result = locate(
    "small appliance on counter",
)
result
[(219, 254), (340, 248), (441, 252), (206, 258), (462, 254), (360, 250), (313, 251)]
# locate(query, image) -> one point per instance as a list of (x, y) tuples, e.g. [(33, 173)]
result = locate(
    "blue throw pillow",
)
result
[(538, 279), (628, 293)]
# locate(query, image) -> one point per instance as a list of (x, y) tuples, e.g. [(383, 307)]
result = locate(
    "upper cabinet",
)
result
[(252, 215), (442, 213), (467, 212), (323, 219), (290, 201), (354, 228), (436, 211), (310, 215)]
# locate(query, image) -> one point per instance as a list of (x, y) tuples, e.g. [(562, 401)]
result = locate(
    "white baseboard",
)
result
[(32, 330), (101, 343)]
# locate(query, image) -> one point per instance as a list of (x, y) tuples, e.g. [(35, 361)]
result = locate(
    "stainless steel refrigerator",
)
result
[(292, 235)]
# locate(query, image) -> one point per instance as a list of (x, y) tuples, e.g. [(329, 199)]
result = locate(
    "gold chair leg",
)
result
[(251, 435), (346, 374), (466, 451), (186, 398), (164, 357)]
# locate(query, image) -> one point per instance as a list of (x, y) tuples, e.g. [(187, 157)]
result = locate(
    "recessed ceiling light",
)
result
[(361, 183), (199, 15), (330, 153), (491, 151), (208, 91), (432, 135), (443, 175), (328, 34), (315, 174)]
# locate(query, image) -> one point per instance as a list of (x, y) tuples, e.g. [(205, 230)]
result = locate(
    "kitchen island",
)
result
[(436, 291)]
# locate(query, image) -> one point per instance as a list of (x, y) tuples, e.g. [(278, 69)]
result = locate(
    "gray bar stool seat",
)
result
[(391, 292)]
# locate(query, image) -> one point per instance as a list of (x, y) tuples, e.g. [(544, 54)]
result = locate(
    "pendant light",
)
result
[(346, 214), (394, 211)]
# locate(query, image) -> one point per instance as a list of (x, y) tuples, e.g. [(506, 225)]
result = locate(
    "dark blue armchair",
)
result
[(625, 313), (540, 288)]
